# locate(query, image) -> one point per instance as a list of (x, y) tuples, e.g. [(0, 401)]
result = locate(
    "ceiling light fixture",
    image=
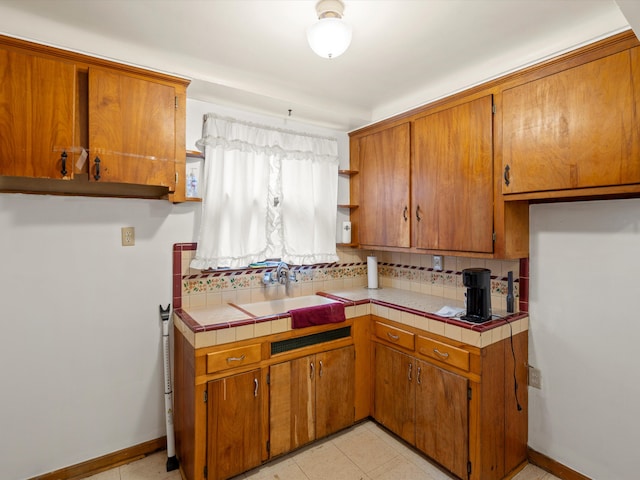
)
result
[(330, 36)]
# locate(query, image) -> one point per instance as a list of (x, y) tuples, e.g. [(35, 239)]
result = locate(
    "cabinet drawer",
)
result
[(394, 335), (233, 358), (443, 352)]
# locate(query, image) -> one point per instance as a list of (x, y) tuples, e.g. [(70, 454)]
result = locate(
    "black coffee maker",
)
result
[(478, 283)]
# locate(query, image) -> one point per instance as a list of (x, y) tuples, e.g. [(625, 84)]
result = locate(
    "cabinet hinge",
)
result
[(468, 468), (176, 102), (468, 393), (494, 236), (206, 397), (268, 379), (268, 446), (493, 108), (205, 471)]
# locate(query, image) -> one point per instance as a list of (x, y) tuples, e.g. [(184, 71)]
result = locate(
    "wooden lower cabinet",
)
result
[(234, 424), (238, 405), (310, 398), (454, 402), (442, 416), (394, 404), (424, 405)]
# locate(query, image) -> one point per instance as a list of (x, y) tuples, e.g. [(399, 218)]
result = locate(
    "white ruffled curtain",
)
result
[(267, 193)]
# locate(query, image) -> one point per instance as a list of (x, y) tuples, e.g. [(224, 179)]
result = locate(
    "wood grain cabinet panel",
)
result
[(394, 391), (234, 358), (384, 187), (37, 102), (132, 125), (574, 129), (442, 417), (311, 397), (234, 424), (452, 178)]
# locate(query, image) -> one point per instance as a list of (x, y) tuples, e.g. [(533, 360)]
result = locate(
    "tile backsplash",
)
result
[(408, 271)]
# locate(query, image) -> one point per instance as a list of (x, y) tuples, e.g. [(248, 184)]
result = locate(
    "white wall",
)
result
[(584, 333), (81, 357)]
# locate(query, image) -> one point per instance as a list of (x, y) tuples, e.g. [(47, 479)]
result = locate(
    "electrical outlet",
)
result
[(437, 263), (128, 236), (535, 377)]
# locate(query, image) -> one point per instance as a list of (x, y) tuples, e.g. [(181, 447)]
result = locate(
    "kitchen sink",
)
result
[(283, 305)]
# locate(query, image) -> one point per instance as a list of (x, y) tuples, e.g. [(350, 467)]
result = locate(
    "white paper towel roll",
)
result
[(372, 272), (346, 232)]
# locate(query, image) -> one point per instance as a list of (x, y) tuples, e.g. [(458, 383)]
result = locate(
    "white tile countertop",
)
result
[(218, 324)]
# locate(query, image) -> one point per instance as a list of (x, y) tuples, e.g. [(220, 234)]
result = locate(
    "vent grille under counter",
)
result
[(308, 340)]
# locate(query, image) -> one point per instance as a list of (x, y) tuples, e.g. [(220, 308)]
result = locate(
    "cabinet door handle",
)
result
[(444, 355), (312, 370), (393, 337), (418, 213), (507, 175), (320, 372), (410, 371), (235, 359), (418, 379), (96, 175), (404, 213), (255, 388), (63, 159)]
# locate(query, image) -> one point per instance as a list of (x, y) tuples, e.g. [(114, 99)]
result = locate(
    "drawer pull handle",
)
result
[(507, 176), (235, 359), (444, 355), (255, 389), (393, 337)]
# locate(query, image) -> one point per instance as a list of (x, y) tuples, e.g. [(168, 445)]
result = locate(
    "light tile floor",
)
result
[(363, 452)]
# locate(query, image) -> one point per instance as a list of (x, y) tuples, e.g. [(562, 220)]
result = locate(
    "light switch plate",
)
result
[(128, 236), (437, 263)]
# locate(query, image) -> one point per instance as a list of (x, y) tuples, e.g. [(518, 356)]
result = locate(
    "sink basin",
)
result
[(283, 305)]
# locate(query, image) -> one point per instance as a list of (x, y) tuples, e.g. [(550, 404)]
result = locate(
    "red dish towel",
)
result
[(317, 315)]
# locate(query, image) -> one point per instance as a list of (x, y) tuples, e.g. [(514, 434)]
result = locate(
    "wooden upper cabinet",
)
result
[(37, 99), (452, 178), (574, 129), (384, 188), (132, 128)]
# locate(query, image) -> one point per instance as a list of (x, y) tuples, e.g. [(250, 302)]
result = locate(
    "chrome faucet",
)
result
[(282, 273)]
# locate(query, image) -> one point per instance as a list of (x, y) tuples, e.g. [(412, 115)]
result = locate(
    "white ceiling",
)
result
[(253, 54)]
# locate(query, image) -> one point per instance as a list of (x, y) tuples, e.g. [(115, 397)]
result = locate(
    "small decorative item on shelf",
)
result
[(193, 177), (346, 232)]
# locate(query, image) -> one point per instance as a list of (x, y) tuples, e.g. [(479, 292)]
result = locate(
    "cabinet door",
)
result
[(573, 129), (384, 188), (37, 98), (452, 179), (291, 406), (394, 397), (132, 129), (442, 428), (234, 424), (335, 384)]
